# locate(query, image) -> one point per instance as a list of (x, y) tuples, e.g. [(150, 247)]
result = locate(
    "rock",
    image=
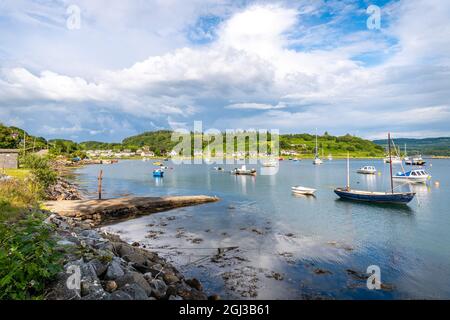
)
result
[(99, 267), (65, 242), (135, 244), (120, 295), (135, 258), (158, 288), (114, 270), (134, 278), (170, 278), (97, 296), (214, 297), (58, 290), (135, 291), (194, 283), (110, 286), (175, 298), (275, 275), (321, 271), (92, 234), (148, 276)]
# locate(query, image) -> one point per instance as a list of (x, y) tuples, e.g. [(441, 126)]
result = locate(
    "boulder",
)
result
[(170, 278), (158, 288), (194, 283), (120, 295), (114, 270), (99, 267), (134, 278), (135, 291), (110, 286)]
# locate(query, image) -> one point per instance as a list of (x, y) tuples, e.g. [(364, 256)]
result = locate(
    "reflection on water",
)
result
[(292, 246)]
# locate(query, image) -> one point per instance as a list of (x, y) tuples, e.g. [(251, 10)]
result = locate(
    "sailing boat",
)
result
[(376, 197), (317, 159)]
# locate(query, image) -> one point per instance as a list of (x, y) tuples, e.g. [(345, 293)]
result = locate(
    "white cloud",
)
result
[(254, 106), (252, 61)]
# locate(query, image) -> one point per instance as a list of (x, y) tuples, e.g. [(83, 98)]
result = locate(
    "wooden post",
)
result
[(100, 178)]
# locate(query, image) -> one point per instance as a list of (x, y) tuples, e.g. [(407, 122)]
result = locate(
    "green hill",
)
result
[(16, 138), (338, 146), (426, 146)]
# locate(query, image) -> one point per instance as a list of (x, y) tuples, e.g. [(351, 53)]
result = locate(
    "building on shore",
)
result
[(9, 158)]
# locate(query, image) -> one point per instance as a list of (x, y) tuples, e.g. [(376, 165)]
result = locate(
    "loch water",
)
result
[(283, 246)]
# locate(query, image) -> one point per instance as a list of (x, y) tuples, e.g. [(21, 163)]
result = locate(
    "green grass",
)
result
[(20, 174)]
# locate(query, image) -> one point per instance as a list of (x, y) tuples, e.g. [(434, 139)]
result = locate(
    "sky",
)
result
[(120, 68)]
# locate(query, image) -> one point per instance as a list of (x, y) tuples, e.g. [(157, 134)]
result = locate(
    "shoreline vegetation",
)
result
[(156, 144), (41, 250)]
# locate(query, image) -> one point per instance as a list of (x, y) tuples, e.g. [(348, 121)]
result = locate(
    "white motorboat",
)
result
[(367, 170), (303, 190), (413, 176), (395, 160), (270, 163), (415, 161), (244, 171)]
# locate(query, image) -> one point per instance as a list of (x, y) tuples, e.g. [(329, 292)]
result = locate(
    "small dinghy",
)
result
[(303, 190), (218, 168), (367, 170), (158, 173), (244, 171)]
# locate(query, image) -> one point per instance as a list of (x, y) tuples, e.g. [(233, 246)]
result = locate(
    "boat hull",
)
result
[(396, 198), (305, 191), (422, 179), (365, 171)]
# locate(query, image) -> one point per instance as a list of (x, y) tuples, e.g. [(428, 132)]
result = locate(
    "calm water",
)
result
[(321, 246)]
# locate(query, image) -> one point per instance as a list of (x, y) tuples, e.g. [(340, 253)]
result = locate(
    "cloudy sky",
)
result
[(134, 66)]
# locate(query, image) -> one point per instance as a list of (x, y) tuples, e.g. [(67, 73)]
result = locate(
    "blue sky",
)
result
[(135, 66)]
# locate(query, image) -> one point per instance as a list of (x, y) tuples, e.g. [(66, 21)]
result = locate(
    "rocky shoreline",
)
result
[(100, 266)]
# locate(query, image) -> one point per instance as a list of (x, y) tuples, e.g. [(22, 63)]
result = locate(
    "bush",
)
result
[(41, 170), (28, 259)]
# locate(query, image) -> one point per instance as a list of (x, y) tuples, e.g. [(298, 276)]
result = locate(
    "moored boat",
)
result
[(415, 161), (317, 159), (414, 176), (367, 170), (158, 173), (244, 171), (393, 160), (374, 196), (303, 190), (270, 163), (379, 197)]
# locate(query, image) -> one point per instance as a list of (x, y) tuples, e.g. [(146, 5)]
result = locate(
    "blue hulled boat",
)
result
[(374, 197), (378, 197), (158, 173)]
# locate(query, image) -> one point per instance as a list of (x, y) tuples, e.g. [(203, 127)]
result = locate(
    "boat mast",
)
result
[(390, 162), (317, 150), (348, 171)]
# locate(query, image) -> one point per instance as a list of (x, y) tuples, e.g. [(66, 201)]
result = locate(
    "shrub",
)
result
[(41, 170), (28, 259)]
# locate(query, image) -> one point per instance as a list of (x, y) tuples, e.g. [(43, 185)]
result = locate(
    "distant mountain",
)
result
[(425, 146)]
